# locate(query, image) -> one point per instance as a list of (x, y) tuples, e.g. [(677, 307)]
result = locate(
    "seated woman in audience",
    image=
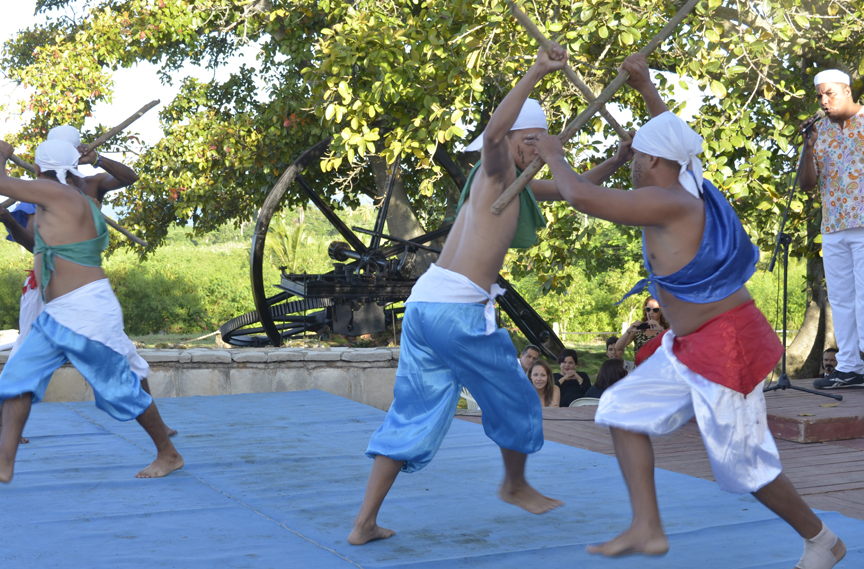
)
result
[(540, 375), (642, 331), (610, 372), (573, 383)]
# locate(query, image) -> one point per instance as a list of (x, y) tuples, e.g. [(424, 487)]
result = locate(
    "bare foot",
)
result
[(646, 542), (162, 466), (360, 535), (527, 498), (7, 468), (171, 432), (838, 551), (23, 441)]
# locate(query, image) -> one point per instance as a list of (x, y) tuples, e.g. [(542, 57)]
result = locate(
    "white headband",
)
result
[(831, 76), (668, 136), (531, 116), (68, 133), (59, 156)]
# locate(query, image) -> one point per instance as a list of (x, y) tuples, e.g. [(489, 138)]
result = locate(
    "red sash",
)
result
[(30, 283), (736, 349)]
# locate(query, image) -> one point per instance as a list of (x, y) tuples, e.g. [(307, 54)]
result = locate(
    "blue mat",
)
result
[(275, 480)]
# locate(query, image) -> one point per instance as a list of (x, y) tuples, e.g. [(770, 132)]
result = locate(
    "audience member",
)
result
[(642, 331), (610, 372), (829, 361), (612, 353), (573, 384), (529, 356), (540, 374)]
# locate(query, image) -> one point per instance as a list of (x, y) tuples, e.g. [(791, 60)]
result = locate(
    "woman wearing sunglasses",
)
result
[(642, 331)]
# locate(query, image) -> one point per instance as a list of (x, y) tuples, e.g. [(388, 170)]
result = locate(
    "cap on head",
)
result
[(668, 136), (531, 116), (831, 76), (58, 156), (65, 132)]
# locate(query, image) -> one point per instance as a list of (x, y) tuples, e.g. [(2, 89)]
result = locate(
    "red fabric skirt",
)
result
[(736, 349)]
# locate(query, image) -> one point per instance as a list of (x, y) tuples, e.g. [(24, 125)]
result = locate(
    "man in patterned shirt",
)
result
[(834, 158)]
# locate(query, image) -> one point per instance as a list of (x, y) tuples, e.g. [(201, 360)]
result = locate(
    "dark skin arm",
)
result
[(22, 235), (545, 190), (117, 175), (651, 206), (809, 176), (497, 161)]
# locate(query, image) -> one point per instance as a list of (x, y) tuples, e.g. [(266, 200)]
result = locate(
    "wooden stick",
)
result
[(111, 133), (516, 188), (10, 202), (22, 164), (574, 78), (89, 148), (129, 235)]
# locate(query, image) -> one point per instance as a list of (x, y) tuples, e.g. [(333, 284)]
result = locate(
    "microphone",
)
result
[(814, 119)]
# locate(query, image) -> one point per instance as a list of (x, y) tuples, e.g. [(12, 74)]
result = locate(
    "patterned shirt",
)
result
[(839, 156)]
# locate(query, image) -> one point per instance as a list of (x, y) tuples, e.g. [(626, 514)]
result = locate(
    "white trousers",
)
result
[(663, 394), (843, 258)]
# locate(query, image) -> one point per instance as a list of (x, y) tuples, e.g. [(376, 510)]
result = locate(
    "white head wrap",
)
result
[(59, 156), (531, 116), (831, 76), (668, 136), (68, 133)]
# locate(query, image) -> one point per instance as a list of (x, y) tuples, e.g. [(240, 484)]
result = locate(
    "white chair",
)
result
[(471, 403), (585, 402)]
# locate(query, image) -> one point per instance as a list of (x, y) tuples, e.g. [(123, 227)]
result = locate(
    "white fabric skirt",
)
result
[(662, 394)]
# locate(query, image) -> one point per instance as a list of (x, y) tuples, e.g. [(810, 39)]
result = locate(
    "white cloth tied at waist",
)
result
[(444, 285), (93, 312)]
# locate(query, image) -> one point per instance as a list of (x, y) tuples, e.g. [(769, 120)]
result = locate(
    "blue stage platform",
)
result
[(274, 480)]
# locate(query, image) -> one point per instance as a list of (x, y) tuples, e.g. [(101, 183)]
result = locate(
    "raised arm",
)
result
[(546, 190), (645, 206), (496, 150), (39, 192), (640, 79), (809, 174), (117, 175)]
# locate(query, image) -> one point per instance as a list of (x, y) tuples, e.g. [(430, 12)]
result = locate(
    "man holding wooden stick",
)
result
[(449, 334), (712, 361), (115, 177), (82, 321)]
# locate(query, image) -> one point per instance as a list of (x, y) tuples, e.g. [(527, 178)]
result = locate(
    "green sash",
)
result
[(87, 253), (530, 217)]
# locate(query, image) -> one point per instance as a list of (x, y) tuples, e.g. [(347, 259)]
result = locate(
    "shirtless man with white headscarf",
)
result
[(449, 334), (115, 177), (712, 361), (82, 322)]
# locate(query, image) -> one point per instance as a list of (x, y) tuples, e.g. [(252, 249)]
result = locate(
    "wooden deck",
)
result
[(829, 475)]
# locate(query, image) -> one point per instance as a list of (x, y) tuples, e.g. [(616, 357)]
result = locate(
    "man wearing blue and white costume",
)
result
[(82, 321), (711, 363), (449, 334)]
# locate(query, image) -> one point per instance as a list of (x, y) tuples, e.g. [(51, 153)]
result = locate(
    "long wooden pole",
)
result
[(89, 148), (574, 78), (516, 188)]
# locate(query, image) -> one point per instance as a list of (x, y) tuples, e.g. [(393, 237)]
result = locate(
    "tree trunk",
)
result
[(804, 356), (401, 221), (830, 340)]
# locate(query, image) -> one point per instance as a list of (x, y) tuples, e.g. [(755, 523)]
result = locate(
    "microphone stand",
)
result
[(785, 239)]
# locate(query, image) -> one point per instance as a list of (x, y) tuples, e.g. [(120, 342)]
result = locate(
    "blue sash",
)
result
[(724, 263)]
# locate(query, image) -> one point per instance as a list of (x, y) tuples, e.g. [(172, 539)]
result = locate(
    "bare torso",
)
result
[(669, 249), (67, 222), (479, 240)]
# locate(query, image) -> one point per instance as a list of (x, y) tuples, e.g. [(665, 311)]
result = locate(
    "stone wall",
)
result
[(365, 375)]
